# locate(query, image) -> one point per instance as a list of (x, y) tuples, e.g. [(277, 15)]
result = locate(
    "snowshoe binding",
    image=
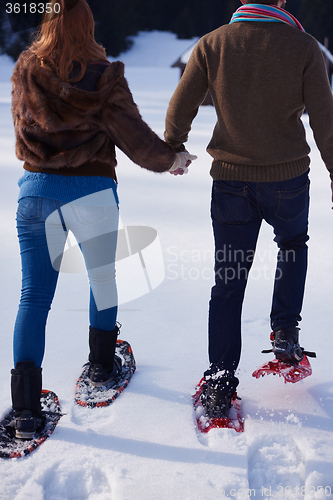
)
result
[(216, 409), (100, 375), (92, 391), (21, 434), (291, 360), (27, 425)]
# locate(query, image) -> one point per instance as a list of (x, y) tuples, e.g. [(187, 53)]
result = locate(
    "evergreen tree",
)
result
[(118, 20), (115, 22)]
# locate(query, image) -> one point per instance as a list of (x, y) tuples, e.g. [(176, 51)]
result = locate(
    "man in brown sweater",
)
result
[(262, 72)]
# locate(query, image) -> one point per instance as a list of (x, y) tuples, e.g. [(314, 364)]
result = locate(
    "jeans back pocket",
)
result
[(292, 204), (230, 204), (30, 208), (90, 215)]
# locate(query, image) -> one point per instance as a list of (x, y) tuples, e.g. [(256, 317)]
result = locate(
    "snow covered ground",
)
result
[(145, 445)]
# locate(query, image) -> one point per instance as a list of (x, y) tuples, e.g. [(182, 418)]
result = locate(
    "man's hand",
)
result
[(182, 162)]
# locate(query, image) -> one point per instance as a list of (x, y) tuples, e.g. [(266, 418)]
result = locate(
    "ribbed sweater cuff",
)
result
[(222, 171)]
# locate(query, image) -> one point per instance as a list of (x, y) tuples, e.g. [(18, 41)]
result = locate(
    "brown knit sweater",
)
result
[(261, 77), (65, 130)]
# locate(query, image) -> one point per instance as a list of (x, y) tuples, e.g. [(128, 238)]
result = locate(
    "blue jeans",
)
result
[(237, 210), (42, 226)]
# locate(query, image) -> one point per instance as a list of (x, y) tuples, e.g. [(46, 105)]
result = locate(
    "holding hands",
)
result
[(182, 162)]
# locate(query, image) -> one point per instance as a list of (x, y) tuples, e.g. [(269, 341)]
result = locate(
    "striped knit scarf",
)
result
[(265, 13)]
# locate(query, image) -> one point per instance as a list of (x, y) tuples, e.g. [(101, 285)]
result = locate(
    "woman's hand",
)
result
[(182, 162)]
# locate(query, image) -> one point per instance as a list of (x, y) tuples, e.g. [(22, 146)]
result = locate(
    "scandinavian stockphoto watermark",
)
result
[(87, 236), (124, 263), (194, 264)]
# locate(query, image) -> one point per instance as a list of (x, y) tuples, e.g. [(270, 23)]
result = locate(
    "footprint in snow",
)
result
[(276, 464)]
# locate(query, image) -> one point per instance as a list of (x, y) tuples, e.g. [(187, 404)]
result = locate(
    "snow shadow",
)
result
[(144, 385), (154, 451)]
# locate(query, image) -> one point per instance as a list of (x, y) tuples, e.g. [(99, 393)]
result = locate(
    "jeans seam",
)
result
[(61, 217)]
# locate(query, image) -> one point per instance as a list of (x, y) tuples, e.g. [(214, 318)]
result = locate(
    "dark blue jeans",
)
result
[(238, 209), (42, 227)]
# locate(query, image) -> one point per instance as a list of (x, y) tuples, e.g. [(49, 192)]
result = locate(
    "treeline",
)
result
[(118, 20)]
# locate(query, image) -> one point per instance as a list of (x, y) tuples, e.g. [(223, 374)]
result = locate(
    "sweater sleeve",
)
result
[(188, 96), (131, 133), (318, 101)]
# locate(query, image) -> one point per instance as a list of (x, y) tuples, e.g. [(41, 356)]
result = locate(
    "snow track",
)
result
[(271, 459)]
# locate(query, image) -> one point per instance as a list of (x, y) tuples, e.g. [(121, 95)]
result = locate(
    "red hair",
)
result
[(67, 36)]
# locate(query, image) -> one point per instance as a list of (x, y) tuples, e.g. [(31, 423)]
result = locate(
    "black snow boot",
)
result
[(26, 388), (104, 364), (216, 401), (286, 346)]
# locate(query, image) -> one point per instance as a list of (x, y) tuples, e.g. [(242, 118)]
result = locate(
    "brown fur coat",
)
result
[(62, 129)]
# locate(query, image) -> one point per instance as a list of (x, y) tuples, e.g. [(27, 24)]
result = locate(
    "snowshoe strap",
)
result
[(307, 353)]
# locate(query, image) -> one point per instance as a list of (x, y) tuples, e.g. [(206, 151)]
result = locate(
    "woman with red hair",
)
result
[(71, 107)]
